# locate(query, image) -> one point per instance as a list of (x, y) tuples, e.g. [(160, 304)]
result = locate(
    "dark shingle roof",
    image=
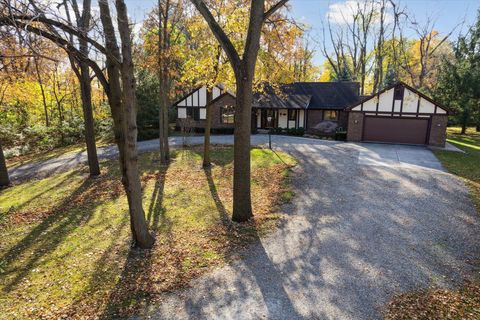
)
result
[(311, 95)]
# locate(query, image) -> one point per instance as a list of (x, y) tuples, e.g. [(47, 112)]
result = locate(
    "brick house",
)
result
[(397, 114)]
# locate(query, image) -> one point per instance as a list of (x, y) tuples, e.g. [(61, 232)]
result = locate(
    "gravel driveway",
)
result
[(356, 234), (368, 221)]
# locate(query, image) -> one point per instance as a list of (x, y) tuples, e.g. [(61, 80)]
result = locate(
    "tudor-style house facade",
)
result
[(396, 114), (315, 106)]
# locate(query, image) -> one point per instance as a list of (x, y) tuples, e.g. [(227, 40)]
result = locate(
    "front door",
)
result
[(269, 114)]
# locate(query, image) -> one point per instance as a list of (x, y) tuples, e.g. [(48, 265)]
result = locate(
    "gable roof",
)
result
[(311, 95), (423, 96), (226, 93), (219, 86)]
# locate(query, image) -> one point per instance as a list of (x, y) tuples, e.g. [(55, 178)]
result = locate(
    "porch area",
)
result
[(263, 118)]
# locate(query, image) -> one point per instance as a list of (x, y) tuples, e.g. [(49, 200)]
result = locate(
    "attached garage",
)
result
[(398, 114)]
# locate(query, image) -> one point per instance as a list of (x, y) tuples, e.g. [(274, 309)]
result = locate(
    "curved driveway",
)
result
[(368, 221)]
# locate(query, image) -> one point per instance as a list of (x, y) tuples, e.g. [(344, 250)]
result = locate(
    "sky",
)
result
[(447, 14)]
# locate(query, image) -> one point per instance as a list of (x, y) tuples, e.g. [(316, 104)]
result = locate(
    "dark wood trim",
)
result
[(305, 116), (418, 105), (393, 101), (356, 104), (401, 102), (392, 116)]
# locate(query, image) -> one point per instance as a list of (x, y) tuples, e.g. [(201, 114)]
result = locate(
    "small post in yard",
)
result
[(269, 119)]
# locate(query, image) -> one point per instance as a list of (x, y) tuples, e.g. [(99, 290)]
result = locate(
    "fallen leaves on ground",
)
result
[(438, 304)]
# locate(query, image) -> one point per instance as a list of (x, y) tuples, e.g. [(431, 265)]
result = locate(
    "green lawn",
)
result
[(465, 165), (65, 239)]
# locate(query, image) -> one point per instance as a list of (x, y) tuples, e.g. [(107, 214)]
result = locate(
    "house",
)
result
[(396, 114), (192, 108), (318, 107), (314, 106)]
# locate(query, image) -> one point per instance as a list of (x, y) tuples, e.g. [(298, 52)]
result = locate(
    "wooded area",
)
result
[(69, 72)]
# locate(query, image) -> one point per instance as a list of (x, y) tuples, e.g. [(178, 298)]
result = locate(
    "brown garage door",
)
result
[(395, 130)]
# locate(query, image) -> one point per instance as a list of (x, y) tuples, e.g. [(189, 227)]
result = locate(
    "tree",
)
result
[(4, 179), (119, 86), (244, 69), (82, 70), (459, 77)]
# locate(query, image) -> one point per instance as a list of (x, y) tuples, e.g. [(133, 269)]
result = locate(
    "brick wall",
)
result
[(313, 118), (355, 126), (343, 119), (438, 130), (226, 100)]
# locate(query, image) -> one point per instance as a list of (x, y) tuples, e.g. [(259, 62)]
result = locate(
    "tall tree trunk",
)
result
[(242, 203), (83, 75), (163, 120), (44, 99), (465, 117), (208, 127), (123, 106), (86, 96), (4, 179), (163, 80)]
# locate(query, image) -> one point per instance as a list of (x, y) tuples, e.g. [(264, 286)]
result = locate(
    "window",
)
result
[(292, 115), (227, 114), (193, 113), (398, 93), (330, 115)]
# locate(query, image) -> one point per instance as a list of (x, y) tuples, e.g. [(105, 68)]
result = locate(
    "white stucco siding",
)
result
[(203, 113), (385, 101), (397, 105), (370, 105), (301, 118), (198, 98), (292, 123), (410, 101), (202, 96), (441, 111), (216, 92), (426, 106), (182, 113), (282, 118)]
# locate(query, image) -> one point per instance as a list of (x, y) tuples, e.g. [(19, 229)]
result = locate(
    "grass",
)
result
[(65, 239), (435, 303), (465, 165)]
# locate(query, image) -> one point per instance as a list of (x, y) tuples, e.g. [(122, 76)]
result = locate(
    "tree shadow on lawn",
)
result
[(48, 235), (136, 283), (263, 281), (148, 274)]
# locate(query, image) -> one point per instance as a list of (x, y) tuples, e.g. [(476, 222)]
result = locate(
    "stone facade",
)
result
[(438, 130), (355, 126)]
